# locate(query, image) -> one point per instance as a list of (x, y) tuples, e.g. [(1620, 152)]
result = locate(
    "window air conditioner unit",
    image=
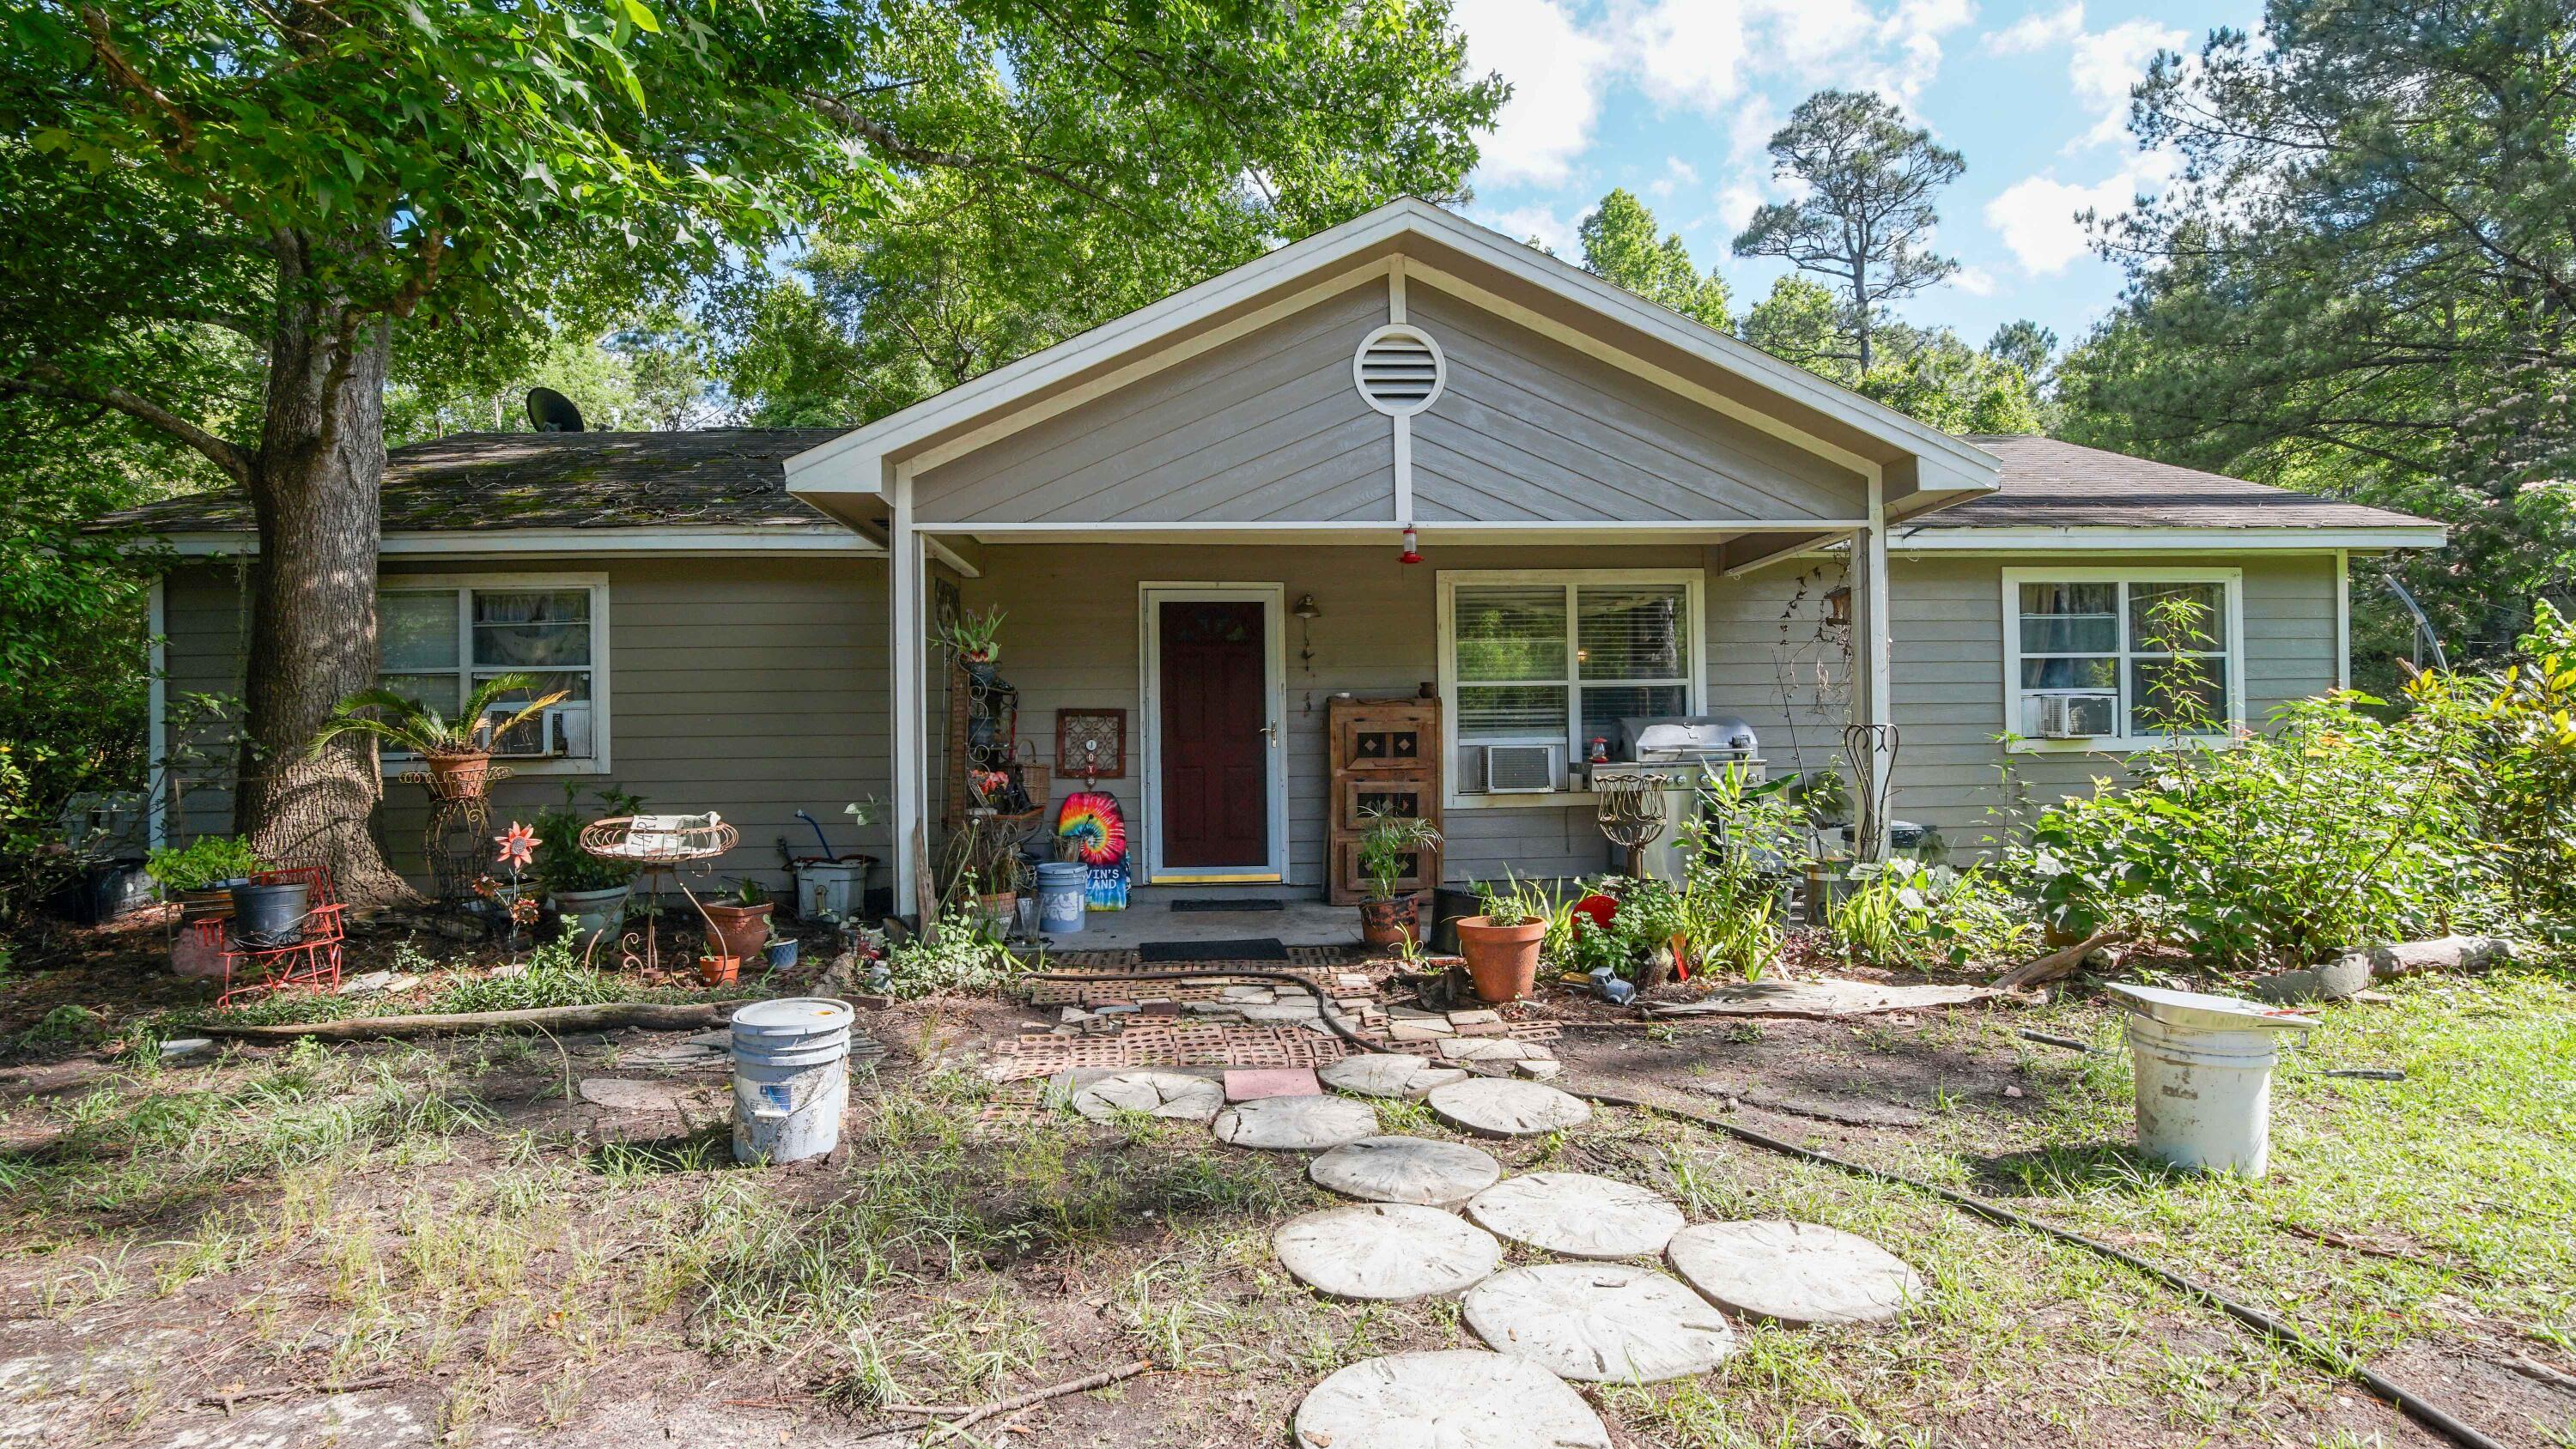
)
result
[(568, 730), (528, 741), (1524, 769), (2073, 716)]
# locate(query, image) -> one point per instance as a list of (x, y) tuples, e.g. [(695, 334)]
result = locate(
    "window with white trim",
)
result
[(1558, 658), (2118, 659), (438, 639)]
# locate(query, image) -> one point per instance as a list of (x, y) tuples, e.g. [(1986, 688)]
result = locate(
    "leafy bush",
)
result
[(1901, 912), (561, 864), (204, 861), (1741, 844), (556, 975), (967, 956), (2328, 832), (2515, 733)]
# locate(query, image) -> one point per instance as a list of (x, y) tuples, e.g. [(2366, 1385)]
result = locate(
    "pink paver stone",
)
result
[(1247, 1083)]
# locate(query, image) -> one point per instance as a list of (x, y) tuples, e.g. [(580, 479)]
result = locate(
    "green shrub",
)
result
[(1741, 844), (561, 864), (967, 956), (1901, 912), (2275, 849), (2515, 733), (203, 862)]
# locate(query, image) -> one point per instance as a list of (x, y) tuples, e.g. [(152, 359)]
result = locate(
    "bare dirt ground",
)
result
[(444, 1243)]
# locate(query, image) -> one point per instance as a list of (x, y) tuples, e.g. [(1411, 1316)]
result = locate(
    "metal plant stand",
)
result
[(659, 846), (457, 841), (1631, 814)]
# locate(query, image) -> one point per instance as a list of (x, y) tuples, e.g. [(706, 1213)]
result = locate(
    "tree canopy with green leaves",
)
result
[(229, 221), (1620, 246), (1865, 211), (2363, 281)]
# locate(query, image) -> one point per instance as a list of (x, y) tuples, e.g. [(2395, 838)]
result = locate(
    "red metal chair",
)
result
[(312, 961)]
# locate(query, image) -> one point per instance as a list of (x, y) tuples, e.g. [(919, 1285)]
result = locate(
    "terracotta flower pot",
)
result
[(996, 909), (719, 970), (1391, 922), (1501, 960), (740, 930), (459, 776)]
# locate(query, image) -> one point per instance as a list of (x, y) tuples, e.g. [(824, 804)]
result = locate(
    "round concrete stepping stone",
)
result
[(1503, 1107), (1386, 1251), (1600, 1322), (1460, 1398), (1794, 1273), (1156, 1094), (1577, 1214), (1296, 1124), (1406, 1169), (1388, 1074)]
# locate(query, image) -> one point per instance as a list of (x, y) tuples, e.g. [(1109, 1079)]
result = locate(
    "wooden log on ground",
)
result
[(647, 1015), (2058, 963)]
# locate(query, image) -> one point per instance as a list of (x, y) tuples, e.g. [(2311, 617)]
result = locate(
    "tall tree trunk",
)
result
[(314, 487)]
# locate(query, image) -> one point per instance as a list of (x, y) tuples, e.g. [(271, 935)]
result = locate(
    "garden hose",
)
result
[(2408, 1402), (1323, 1003)]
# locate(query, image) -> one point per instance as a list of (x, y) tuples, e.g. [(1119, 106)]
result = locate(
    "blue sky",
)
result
[(1674, 99)]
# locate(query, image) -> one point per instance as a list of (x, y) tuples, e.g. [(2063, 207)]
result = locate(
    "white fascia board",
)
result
[(1972, 539), (856, 461), (717, 541)]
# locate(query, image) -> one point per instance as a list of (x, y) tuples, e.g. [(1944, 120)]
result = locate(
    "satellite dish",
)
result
[(551, 412)]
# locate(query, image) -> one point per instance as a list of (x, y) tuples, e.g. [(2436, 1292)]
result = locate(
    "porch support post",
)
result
[(1870, 657), (907, 559)]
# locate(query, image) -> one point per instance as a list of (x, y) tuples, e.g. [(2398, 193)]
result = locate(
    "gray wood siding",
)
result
[(1266, 427), (1947, 674), (753, 687), (1529, 429), (204, 614)]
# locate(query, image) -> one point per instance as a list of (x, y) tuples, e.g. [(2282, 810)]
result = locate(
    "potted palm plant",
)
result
[(1390, 850), (741, 924), (458, 749)]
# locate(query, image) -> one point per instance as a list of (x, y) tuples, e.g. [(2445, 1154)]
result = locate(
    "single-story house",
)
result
[(1406, 457)]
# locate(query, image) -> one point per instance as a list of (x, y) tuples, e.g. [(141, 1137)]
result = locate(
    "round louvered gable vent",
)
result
[(1400, 370)]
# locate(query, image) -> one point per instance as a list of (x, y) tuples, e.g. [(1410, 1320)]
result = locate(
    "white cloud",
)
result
[(2039, 30), (1556, 70), (1677, 174), (2035, 216), (1550, 228), (1686, 53), (1735, 207), (2104, 65), (1975, 281)]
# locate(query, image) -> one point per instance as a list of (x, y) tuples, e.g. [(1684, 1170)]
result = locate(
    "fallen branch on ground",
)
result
[(967, 1418), (648, 1015), (246, 1395), (2539, 1372), (2059, 963)]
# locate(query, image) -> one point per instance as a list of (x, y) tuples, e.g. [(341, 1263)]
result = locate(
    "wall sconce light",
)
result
[(1306, 607), (1838, 606), (1307, 614)]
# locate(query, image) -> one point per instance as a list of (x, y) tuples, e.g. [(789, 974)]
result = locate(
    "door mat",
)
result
[(1117, 958), (1250, 948), (1200, 988), (1169, 1043), (1218, 905)]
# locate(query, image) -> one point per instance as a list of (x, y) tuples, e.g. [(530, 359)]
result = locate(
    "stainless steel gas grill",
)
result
[(1668, 755)]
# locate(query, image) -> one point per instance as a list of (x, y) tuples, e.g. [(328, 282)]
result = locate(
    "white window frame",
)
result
[(1695, 608), (2232, 593), (463, 587)]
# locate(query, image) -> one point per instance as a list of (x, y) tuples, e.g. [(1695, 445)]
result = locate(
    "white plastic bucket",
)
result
[(2204, 1096), (828, 887), (1064, 893), (791, 1078)]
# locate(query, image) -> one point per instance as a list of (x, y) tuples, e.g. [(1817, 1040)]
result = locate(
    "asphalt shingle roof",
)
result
[(2051, 484), (732, 476), (714, 476)]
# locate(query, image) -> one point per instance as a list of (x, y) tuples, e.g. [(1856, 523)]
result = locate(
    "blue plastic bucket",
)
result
[(1064, 892)]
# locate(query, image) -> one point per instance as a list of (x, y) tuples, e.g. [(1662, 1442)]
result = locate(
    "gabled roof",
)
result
[(1925, 466)]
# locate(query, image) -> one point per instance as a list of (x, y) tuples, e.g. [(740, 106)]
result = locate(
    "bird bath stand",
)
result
[(659, 845)]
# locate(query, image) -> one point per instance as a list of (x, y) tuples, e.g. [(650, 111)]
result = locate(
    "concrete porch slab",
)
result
[(1303, 920)]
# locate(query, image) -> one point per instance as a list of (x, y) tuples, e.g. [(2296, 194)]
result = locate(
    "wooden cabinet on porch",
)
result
[(1385, 754)]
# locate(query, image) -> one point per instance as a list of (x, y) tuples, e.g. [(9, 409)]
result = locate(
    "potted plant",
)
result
[(1390, 849), (200, 877), (1502, 945), (983, 861), (781, 951), (458, 750), (591, 889), (976, 638), (719, 970), (1827, 803), (741, 924)]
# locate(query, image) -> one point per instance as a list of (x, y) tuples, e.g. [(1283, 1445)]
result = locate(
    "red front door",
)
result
[(1216, 758)]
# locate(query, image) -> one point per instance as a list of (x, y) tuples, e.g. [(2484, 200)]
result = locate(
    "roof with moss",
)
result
[(705, 477)]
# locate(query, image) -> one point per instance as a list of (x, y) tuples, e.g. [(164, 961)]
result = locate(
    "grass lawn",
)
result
[(452, 1227)]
